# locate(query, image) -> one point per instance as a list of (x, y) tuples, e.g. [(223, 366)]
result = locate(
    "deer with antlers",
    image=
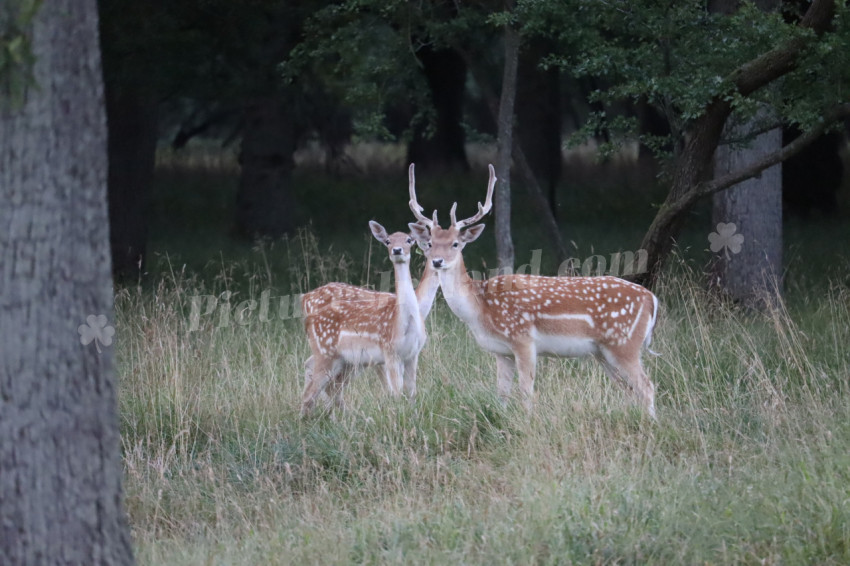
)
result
[(521, 317)]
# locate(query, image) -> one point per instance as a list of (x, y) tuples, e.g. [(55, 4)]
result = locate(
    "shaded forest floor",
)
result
[(749, 462)]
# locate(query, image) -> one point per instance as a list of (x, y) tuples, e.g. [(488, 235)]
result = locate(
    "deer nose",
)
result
[(437, 263), (397, 251)]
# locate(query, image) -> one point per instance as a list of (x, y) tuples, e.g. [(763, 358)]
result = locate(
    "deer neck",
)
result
[(406, 299), (426, 291), (462, 293)]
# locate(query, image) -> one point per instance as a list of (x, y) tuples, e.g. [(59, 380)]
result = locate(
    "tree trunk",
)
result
[(502, 197), (131, 119), (535, 192), (538, 117), (264, 203), (60, 469), (692, 167), (750, 272), (445, 72)]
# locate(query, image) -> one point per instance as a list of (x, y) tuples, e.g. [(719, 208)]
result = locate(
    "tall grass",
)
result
[(749, 462)]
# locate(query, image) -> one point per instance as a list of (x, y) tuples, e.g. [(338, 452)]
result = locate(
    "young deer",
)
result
[(387, 329), (520, 317), (325, 295)]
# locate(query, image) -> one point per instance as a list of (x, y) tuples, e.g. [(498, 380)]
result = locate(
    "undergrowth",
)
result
[(748, 462)]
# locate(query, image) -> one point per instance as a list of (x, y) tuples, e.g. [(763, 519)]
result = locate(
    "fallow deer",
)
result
[(387, 330), (321, 297), (521, 317)]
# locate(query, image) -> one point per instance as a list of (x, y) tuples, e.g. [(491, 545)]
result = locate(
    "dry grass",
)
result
[(749, 462)]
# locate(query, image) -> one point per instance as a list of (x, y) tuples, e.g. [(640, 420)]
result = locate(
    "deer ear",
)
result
[(471, 234), (378, 231), (420, 233)]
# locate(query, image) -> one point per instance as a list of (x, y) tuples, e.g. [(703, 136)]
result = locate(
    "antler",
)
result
[(433, 219), (482, 209), (414, 205)]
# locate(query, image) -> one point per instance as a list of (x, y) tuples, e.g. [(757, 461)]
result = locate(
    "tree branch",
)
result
[(707, 188), (768, 67), (550, 224)]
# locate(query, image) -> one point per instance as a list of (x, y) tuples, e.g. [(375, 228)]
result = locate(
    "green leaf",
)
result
[(26, 12), (16, 49)]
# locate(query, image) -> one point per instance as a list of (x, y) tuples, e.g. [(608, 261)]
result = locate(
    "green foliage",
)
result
[(366, 52), (827, 62), (362, 59), (16, 56), (678, 57)]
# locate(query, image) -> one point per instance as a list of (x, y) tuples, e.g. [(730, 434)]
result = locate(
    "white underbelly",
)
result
[(568, 347), (363, 356), (358, 349)]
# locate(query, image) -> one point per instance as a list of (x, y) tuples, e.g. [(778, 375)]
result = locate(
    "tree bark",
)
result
[(445, 72), (693, 165), (60, 469), (752, 272), (538, 117), (535, 191), (502, 196), (264, 203)]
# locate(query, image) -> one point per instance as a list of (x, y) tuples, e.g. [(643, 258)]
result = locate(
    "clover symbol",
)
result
[(726, 239), (96, 330)]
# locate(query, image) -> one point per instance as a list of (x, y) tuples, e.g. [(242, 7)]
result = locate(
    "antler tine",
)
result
[(452, 214), (482, 209), (414, 205), (434, 218)]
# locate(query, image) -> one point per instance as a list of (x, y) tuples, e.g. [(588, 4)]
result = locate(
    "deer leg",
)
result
[(324, 370), (526, 363), (308, 370), (410, 376), (393, 375), (641, 386), (505, 370), (612, 369), (335, 386), (629, 373)]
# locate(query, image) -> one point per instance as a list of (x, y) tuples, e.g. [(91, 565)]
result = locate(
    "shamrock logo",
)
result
[(726, 239), (97, 330)]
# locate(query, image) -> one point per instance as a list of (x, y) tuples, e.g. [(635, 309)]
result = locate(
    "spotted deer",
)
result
[(387, 329), (321, 297), (521, 317)]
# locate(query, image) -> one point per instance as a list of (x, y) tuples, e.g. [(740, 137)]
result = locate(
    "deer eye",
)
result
[(429, 244), (455, 245), (387, 242), (410, 240)]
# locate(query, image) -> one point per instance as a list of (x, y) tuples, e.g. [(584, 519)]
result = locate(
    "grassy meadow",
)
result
[(749, 462)]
